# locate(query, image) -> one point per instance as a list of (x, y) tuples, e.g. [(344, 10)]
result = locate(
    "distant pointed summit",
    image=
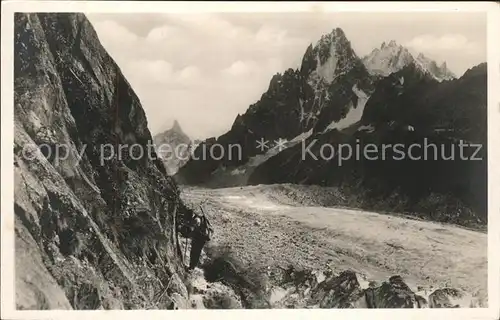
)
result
[(338, 32), (176, 126), (171, 139)]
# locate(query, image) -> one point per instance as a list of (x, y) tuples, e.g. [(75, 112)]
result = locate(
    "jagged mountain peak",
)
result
[(388, 59), (176, 127), (391, 46), (426, 61), (336, 39), (430, 66), (391, 43), (168, 140), (336, 33), (331, 56), (392, 57), (174, 133), (174, 130)]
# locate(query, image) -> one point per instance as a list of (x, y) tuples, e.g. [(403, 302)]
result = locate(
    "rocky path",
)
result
[(266, 230)]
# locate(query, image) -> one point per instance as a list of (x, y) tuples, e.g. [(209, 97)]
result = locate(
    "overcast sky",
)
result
[(204, 69)]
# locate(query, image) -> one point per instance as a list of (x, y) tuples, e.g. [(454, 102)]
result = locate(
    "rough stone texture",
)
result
[(304, 288), (342, 291), (449, 298), (89, 233), (393, 294), (35, 286)]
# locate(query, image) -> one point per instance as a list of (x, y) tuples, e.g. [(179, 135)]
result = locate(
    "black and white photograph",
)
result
[(237, 159)]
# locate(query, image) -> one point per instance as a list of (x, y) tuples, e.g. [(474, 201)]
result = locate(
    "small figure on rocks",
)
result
[(199, 230)]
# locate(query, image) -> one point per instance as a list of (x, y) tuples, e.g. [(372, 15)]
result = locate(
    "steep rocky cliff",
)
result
[(93, 230)]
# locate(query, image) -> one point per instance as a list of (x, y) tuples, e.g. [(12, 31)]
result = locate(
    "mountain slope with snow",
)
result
[(392, 57), (440, 73), (331, 86), (336, 100), (407, 109)]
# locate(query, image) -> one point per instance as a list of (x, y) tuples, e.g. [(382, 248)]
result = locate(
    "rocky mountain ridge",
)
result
[(334, 98), (392, 57), (331, 85), (407, 108), (329, 91)]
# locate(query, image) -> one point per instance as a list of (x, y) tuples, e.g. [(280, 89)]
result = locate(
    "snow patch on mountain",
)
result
[(260, 158), (367, 128), (354, 114), (238, 171), (302, 113), (302, 136)]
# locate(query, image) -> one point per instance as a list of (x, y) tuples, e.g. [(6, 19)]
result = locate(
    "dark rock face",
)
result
[(35, 287), (406, 108), (445, 298), (456, 107), (99, 227), (309, 98), (174, 147), (393, 294), (342, 291)]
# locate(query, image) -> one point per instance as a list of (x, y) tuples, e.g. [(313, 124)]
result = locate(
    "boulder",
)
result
[(449, 298), (393, 294), (342, 291)]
